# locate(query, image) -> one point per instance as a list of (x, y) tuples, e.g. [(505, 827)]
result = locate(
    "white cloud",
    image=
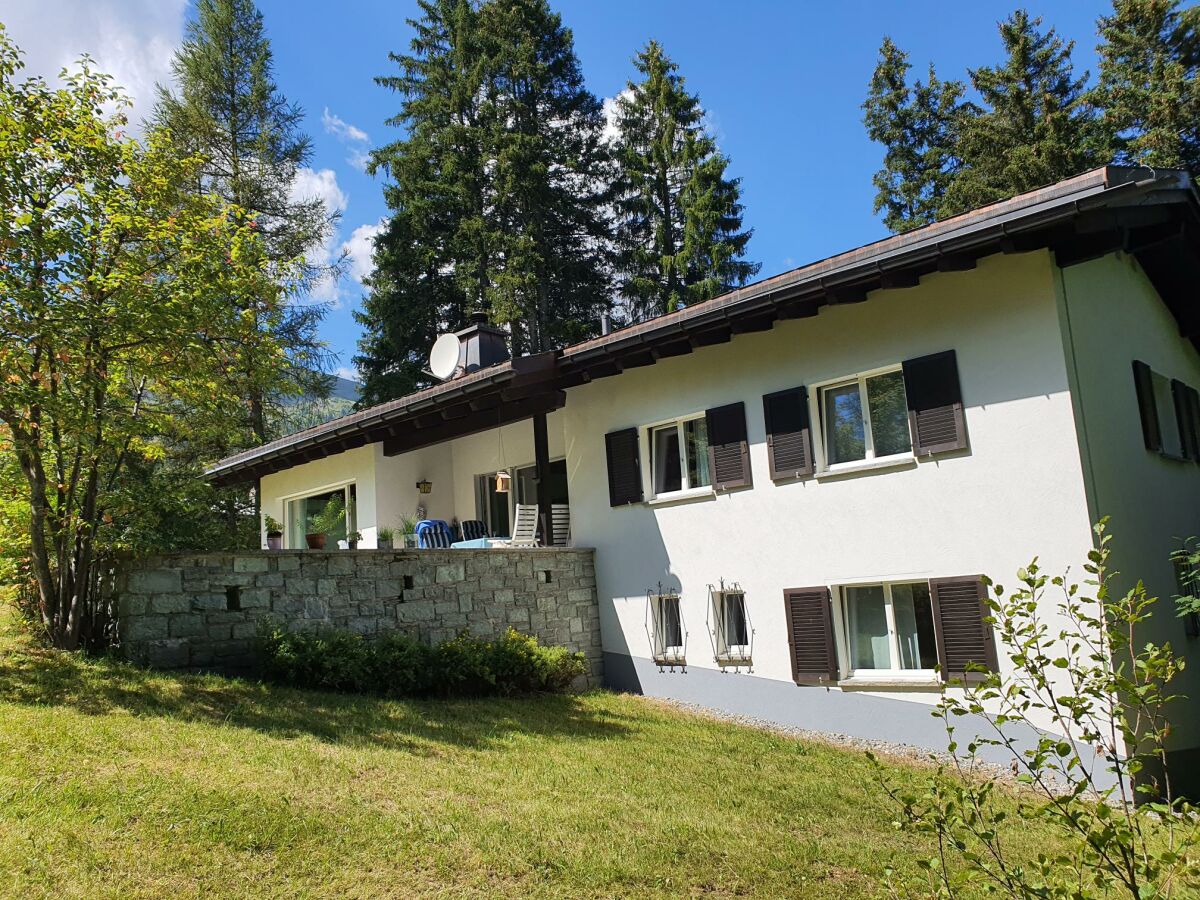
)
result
[(361, 249), (132, 40), (342, 129), (350, 136), (609, 107), (310, 183), (347, 372)]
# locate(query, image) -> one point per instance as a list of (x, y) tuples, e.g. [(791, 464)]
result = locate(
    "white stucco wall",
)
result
[(386, 485), (1113, 316), (1017, 493), (357, 465)]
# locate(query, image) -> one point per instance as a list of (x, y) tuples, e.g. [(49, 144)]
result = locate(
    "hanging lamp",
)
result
[(503, 479)]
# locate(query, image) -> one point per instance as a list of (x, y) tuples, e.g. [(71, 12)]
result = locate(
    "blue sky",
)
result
[(782, 83)]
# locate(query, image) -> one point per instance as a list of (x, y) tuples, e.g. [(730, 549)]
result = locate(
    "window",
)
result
[(1170, 413), (492, 506), (1168, 422), (889, 627), (302, 510), (679, 456), (668, 633), (732, 635), (865, 418)]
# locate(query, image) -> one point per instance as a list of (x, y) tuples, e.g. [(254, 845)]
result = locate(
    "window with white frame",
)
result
[(667, 628), (732, 634), (864, 418), (302, 510), (889, 627), (679, 456)]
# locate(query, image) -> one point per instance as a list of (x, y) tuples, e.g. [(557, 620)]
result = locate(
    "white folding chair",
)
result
[(560, 519), (524, 533)]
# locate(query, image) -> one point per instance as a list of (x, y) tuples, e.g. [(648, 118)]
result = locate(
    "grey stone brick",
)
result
[(250, 564), (144, 628), (187, 625), (287, 563), (167, 654), (169, 604), (156, 581)]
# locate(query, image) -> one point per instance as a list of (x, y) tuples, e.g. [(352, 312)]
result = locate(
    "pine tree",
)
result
[(549, 175), (496, 192), (679, 219), (435, 259), (229, 109), (1148, 89), (1035, 127), (918, 126)]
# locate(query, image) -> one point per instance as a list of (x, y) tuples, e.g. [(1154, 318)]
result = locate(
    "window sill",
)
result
[(704, 493), (884, 681), (874, 465)]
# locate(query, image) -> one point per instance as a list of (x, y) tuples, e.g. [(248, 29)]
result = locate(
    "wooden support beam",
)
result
[(748, 325), (680, 347), (956, 262), (847, 294), (800, 309), (718, 335), (901, 278), (541, 467)]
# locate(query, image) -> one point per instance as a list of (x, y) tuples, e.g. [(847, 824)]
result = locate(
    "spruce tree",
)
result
[(1148, 88), (228, 108), (549, 173), (918, 127), (1035, 126), (434, 259), (679, 218)]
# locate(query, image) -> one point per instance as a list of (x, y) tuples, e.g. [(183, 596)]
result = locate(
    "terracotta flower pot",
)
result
[(315, 541), (275, 541)]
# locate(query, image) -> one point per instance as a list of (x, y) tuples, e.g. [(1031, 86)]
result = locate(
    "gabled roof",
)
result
[(1153, 214)]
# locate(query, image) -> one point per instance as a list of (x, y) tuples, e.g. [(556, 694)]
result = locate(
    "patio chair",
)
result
[(434, 534), (560, 519), (524, 533), (473, 529)]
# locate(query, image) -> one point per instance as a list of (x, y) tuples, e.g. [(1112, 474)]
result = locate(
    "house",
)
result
[(794, 489)]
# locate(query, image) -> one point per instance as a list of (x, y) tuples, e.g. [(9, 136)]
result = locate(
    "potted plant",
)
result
[(274, 534), (324, 522), (386, 534), (408, 528), (354, 538)]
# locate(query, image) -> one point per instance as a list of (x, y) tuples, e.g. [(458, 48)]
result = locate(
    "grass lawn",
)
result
[(116, 782)]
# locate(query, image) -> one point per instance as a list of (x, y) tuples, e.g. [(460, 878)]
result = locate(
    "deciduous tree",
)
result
[(131, 305)]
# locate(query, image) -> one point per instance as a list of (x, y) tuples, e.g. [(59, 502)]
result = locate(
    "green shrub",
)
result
[(396, 665)]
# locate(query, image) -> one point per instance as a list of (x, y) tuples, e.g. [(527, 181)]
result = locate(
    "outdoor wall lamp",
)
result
[(424, 486)]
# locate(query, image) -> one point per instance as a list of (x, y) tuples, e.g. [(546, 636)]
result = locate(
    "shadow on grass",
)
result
[(37, 677)]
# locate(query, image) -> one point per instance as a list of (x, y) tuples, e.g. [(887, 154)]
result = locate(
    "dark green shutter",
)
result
[(810, 635), (1143, 382), (960, 606), (789, 433), (728, 448), (624, 467), (935, 408)]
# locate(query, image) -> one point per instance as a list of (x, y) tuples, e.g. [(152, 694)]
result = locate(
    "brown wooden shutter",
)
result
[(789, 435), (728, 449), (959, 608), (624, 467), (1143, 382), (810, 635), (1185, 418), (935, 409)]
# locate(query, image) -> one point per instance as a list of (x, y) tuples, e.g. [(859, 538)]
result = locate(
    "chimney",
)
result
[(481, 345)]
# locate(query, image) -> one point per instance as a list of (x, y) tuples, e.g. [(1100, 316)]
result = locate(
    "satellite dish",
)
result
[(443, 358)]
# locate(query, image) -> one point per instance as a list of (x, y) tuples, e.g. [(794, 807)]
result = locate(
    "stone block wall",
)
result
[(189, 611)]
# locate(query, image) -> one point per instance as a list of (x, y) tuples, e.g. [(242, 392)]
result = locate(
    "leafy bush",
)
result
[(1123, 829), (399, 666)]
